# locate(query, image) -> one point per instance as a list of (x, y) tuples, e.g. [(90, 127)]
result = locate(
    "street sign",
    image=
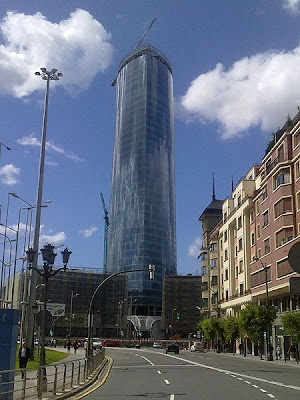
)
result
[(294, 257), (48, 318)]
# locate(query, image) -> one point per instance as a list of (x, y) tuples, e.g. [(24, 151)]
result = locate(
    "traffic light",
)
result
[(178, 316)]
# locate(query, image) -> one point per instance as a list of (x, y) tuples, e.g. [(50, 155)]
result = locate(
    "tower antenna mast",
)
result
[(106, 225), (145, 33)]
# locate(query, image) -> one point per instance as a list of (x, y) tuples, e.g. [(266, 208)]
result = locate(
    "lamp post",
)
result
[(269, 353), (47, 272), (48, 76), (73, 295), (151, 270)]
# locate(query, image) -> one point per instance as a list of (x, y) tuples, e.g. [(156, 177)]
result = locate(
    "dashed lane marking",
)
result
[(159, 372), (167, 382)]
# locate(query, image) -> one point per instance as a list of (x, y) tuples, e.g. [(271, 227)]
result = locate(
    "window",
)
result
[(284, 235), (236, 271), (214, 280), (239, 200), (241, 266), (213, 263), (239, 222), (265, 218), (267, 246), (283, 268), (214, 298), (205, 302), (280, 157), (225, 217), (283, 206), (258, 231), (258, 278), (226, 274), (259, 253), (283, 177), (264, 194), (252, 239), (241, 288), (226, 295), (225, 236), (236, 251), (204, 286), (297, 169), (296, 138), (226, 255), (240, 244), (213, 247)]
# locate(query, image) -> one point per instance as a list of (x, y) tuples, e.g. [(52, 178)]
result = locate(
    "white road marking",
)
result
[(151, 363), (231, 372), (263, 390), (172, 397), (256, 387), (159, 372), (249, 383), (270, 395), (167, 382)]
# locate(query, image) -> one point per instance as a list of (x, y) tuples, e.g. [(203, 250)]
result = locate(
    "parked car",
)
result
[(157, 345), (172, 346), (197, 346), (111, 343)]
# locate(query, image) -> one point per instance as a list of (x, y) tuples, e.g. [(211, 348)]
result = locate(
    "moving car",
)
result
[(172, 346), (197, 346), (157, 345), (97, 344)]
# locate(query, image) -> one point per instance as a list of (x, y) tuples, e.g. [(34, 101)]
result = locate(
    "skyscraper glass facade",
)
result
[(142, 210)]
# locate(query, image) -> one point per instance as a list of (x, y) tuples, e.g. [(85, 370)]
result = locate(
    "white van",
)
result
[(197, 346)]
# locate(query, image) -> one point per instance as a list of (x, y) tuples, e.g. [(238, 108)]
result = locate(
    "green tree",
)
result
[(291, 322), (254, 322), (231, 330), (209, 327)]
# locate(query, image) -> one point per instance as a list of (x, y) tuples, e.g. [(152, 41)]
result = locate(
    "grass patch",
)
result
[(51, 356)]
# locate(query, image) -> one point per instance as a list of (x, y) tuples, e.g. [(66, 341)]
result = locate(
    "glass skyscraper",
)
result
[(142, 227)]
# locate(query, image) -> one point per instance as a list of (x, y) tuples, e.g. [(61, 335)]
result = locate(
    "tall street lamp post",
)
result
[(151, 270), (73, 295), (47, 76), (47, 272)]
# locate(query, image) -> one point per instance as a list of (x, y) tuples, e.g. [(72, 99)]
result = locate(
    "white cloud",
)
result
[(257, 91), (292, 6), (78, 47), (86, 233), (56, 239), (50, 146), (194, 248), (8, 174)]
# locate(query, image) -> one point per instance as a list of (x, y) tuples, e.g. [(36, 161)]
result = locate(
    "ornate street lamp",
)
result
[(47, 272)]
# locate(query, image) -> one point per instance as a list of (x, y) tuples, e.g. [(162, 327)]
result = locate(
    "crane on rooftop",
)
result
[(106, 225), (145, 33)]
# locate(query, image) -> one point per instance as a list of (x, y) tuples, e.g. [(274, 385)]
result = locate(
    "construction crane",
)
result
[(139, 43), (145, 33), (106, 225)]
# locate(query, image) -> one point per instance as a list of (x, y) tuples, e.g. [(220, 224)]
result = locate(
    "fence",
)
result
[(52, 381)]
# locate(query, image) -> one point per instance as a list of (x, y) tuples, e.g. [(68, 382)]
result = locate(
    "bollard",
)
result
[(23, 393)]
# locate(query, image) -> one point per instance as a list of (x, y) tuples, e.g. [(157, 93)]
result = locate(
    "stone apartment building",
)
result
[(260, 222)]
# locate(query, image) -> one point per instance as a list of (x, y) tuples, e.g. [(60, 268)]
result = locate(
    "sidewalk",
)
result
[(29, 386), (281, 362)]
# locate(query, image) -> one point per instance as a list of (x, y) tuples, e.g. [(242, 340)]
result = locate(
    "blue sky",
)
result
[(236, 77)]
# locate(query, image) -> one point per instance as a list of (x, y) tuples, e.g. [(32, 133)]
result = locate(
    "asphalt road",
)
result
[(151, 374)]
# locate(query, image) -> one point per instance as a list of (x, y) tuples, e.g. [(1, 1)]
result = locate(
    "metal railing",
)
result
[(61, 378)]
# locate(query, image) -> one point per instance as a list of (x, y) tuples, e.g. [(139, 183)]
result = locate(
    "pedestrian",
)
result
[(278, 352), (54, 342), (24, 354), (75, 346), (292, 352), (241, 348), (68, 345), (85, 346)]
